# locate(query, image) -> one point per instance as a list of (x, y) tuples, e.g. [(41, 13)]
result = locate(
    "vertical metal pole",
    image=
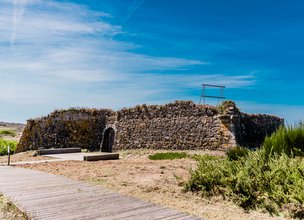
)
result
[(9, 155), (201, 98), (221, 95), (204, 94)]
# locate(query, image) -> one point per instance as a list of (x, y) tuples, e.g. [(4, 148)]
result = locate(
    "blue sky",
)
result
[(119, 53)]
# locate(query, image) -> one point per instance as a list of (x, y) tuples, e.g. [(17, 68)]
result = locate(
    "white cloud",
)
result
[(61, 54)]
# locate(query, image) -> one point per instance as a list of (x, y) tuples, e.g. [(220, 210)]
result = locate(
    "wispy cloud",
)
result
[(134, 5), (59, 54), (14, 23), (52, 38)]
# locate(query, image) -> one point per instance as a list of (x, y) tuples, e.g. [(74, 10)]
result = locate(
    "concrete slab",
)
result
[(71, 156), (78, 156)]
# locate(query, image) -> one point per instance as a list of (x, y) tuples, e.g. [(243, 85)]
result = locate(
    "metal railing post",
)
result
[(9, 155)]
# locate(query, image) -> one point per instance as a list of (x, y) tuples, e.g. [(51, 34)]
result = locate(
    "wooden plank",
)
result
[(83, 209), (47, 196), (104, 156), (134, 213)]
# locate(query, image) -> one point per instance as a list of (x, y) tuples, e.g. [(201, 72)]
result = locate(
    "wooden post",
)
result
[(9, 155)]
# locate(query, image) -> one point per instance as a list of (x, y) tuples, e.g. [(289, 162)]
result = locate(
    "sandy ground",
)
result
[(24, 156), (160, 182)]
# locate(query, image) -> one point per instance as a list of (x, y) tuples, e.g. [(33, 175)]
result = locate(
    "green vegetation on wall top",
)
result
[(222, 108)]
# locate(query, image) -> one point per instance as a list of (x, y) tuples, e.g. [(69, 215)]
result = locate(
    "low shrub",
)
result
[(235, 153), (8, 132), (252, 183), (4, 144), (167, 156), (288, 140)]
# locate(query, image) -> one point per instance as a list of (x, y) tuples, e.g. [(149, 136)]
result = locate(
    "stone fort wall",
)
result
[(64, 129), (179, 125)]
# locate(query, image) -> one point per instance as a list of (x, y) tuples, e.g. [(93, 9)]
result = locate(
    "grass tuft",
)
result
[(167, 156), (8, 132), (288, 140)]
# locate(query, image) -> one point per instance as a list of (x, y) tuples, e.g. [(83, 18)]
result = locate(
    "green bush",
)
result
[(271, 178), (4, 144), (288, 140), (168, 156), (8, 132), (236, 153), (252, 183), (222, 107)]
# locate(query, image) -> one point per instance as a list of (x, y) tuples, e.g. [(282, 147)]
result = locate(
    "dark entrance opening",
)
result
[(108, 140)]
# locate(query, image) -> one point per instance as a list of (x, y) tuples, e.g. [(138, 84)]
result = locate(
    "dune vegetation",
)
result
[(270, 178), (7, 133), (4, 144)]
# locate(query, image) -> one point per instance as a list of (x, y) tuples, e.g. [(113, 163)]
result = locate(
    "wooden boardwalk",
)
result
[(46, 196)]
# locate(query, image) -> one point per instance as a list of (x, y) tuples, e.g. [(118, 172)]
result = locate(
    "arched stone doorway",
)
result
[(108, 140)]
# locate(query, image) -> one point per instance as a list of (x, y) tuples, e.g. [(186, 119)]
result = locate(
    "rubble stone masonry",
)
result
[(180, 125)]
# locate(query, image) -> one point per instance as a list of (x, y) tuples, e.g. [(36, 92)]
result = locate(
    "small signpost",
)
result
[(9, 155)]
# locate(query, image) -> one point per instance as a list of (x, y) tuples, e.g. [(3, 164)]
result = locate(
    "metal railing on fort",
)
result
[(205, 96)]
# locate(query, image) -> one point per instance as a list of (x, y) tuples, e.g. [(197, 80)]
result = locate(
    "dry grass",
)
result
[(9, 211), (161, 182)]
